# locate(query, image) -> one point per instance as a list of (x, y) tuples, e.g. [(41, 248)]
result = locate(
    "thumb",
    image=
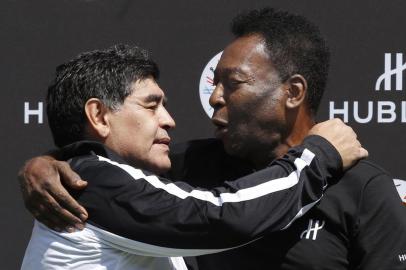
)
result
[(68, 176)]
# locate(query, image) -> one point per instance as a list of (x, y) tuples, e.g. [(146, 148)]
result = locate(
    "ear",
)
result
[(297, 89), (97, 118)]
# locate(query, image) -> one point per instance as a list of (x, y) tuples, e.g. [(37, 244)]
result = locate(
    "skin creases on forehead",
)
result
[(147, 91), (246, 57)]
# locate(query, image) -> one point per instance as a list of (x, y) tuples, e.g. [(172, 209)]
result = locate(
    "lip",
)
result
[(163, 142), (219, 122), (221, 127)]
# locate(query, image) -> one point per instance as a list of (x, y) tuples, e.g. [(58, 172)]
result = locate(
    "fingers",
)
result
[(74, 209), (343, 138), (68, 176), (363, 153), (40, 214), (46, 198), (61, 218), (49, 212), (360, 152), (66, 207), (328, 128)]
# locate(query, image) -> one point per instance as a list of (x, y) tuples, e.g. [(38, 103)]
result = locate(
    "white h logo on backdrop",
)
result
[(389, 72), (33, 112)]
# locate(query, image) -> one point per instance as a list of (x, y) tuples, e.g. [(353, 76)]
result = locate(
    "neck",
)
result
[(293, 136)]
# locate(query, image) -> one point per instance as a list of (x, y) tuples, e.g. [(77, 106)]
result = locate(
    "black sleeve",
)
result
[(134, 204), (381, 232)]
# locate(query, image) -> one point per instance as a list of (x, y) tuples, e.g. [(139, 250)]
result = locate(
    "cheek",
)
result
[(140, 132), (148, 130), (144, 122), (242, 111)]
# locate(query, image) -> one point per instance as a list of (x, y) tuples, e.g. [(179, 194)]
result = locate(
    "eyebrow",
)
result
[(229, 71), (156, 98)]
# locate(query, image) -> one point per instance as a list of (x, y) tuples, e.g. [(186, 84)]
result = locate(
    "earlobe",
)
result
[(297, 89), (96, 114)]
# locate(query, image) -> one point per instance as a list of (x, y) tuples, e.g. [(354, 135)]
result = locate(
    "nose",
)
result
[(165, 119), (216, 99)]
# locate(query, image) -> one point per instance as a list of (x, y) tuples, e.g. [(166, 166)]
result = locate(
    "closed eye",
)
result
[(152, 106)]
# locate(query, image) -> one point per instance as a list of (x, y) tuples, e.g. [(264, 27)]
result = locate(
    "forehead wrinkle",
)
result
[(240, 57)]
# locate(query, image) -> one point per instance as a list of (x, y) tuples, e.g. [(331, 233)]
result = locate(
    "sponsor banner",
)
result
[(378, 110), (206, 85), (401, 188)]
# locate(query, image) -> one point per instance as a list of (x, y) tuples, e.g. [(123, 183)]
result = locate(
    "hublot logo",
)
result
[(380, 111), (386, 77), (312, 229)]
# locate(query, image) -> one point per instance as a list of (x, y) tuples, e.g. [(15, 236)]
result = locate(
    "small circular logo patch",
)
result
[(206, 85)]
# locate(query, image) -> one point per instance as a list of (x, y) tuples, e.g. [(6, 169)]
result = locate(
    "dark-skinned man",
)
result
[(269, 82)]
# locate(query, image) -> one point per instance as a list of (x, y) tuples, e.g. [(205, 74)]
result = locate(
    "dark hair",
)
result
[(103, 74), (294, 44)]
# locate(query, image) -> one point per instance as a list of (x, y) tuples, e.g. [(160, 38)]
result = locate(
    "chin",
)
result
[(160, 167), (233, 147)]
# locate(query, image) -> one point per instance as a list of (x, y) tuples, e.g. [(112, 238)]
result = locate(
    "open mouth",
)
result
[(221, 127)]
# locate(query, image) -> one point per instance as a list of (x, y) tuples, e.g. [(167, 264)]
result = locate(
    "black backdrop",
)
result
[(183, 36)]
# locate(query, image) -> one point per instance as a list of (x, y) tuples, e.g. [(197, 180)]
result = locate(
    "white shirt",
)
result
[(91, 248)]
